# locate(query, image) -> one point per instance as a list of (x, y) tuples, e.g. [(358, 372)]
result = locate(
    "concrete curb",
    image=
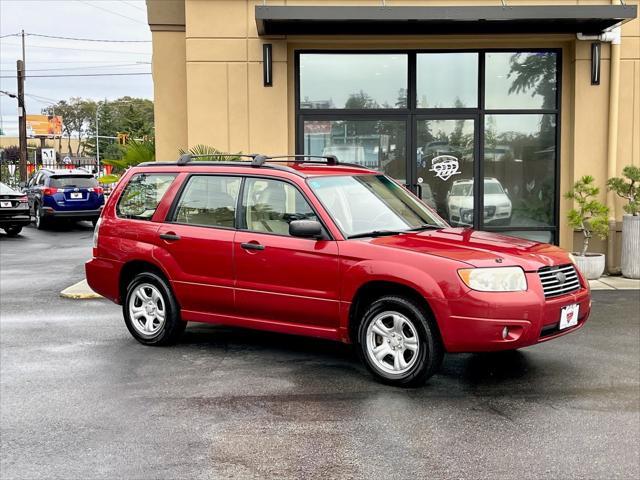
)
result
[(79, 291)]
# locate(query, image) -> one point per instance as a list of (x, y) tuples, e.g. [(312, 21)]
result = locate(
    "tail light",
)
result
[(49, 191), (98, 190), (96, 232), (23, 199)]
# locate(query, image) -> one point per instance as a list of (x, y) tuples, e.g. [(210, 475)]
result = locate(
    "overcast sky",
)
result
[(94, 19)]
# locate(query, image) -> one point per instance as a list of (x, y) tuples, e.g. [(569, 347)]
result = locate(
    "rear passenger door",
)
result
[(282, 278), (196, 241)]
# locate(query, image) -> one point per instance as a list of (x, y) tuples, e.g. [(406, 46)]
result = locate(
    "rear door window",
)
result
[(71, 181), (209, 200), (143, 194)]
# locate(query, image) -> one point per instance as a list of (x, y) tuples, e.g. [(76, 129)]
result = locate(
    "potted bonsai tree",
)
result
[(590, 217), (629, 189)]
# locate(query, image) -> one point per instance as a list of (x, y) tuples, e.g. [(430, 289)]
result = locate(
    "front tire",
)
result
[(13, 231), (399, 342), (151, 312)]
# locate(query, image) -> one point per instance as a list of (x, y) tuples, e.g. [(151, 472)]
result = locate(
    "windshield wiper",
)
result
[(376, 233), (425, 226)]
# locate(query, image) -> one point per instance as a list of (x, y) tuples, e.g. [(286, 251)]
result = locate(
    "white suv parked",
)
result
[(497, 204)]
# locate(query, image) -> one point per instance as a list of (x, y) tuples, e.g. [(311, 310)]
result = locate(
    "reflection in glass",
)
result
[(520, 80), (353, 81), (519, 166), (447, 80), (445, 167), (376, 144), (540, 236)]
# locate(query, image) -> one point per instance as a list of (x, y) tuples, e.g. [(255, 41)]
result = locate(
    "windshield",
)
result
[(73, 181), (492, 188), (462, 189), (363, 204)]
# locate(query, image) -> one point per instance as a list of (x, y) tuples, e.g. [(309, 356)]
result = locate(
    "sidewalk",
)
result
[(614, 283), (79, 291)]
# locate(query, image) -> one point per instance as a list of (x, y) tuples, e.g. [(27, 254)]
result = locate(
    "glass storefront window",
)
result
[(376, 144), (353, 81), (445, 168), (519, 168), (447, 80), (520, 80)]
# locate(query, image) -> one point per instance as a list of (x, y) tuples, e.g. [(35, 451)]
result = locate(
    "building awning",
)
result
[(352, 20)]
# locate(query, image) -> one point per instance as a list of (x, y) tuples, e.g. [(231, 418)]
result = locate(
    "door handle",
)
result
[(170, 236), (252, 246)]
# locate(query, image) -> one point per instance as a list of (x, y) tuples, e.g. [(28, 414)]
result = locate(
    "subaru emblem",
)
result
[(561, 277)]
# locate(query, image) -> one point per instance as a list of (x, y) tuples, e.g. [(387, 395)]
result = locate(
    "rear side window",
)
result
[(69, 181), (209, 200), (143, 194)]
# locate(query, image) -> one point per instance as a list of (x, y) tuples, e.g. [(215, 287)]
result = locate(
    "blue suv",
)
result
[(64, 194)]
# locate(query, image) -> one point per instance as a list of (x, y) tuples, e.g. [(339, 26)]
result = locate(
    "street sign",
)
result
[(48, 155)]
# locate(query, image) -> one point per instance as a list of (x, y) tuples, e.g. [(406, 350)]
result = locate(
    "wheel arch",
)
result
[(132, 268), (374, 289)]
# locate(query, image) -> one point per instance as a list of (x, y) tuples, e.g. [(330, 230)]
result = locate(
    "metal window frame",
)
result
[(412, 114)]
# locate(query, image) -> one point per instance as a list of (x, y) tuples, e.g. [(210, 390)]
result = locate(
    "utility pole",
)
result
[(22, 122)]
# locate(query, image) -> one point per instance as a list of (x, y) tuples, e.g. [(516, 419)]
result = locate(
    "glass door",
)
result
[(445, 166)]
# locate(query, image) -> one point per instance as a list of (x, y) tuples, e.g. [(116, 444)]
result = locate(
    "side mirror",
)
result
[(22, 185), (305, 229)]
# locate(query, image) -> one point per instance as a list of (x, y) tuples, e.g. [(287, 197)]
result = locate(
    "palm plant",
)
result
[(210, 154), (135, 153)]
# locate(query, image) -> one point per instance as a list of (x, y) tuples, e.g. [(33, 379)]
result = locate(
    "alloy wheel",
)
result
[(392, 343), (147, 309)]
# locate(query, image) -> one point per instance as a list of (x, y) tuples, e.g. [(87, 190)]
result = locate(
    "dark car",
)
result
[(326, 250), (64, 194), (14, 210)]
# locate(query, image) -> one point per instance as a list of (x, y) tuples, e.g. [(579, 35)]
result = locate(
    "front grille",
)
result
[(559, 280)]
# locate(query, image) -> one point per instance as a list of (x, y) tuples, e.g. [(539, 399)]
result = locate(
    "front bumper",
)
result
[(477, 320), (75, 214)]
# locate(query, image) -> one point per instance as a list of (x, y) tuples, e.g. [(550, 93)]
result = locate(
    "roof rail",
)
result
[(330, 159), (185, 158)]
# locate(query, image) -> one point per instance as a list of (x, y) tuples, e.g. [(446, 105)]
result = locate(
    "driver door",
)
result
[(280, 278)]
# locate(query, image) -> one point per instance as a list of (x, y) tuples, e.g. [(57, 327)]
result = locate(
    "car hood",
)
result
[(480, 249)]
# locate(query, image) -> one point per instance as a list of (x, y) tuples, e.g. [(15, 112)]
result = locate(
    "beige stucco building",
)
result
[(436, 97)]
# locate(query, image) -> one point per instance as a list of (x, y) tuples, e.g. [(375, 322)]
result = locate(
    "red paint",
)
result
[(307, 287)]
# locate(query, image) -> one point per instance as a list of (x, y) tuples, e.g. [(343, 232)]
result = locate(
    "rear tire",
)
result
[(13, 231), (151, 312), (41, 223), (399, 342)]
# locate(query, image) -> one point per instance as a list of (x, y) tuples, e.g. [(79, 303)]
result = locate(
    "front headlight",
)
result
[(499, 279), (572, 258)]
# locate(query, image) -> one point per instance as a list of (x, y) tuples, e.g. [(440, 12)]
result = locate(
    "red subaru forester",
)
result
[(330, 250)]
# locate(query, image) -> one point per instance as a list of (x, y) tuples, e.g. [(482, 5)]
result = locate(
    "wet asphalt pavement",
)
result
[(81, 399)]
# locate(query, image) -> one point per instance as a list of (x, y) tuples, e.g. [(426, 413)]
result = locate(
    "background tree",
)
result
[(76, 114)]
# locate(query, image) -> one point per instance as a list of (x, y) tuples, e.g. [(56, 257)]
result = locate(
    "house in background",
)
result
[(514, 102)]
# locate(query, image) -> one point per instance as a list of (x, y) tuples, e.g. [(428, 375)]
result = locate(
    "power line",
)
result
[(80, 75), (140, 64), (86, 39), (49, 47), (112, 12), (10, 35), (131, 5)]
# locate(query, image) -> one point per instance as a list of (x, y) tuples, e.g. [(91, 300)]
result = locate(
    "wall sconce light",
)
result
[(267, 64), (595, 62)]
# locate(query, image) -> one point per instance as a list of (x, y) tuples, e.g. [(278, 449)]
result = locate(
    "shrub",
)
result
[(591, 215), (630, 190)]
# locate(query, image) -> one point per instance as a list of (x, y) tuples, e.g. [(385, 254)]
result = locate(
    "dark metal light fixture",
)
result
[(267, 64), (596, 48)]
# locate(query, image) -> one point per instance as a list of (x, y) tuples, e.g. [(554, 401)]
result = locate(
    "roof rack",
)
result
[(329, 159), (188, 157)]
